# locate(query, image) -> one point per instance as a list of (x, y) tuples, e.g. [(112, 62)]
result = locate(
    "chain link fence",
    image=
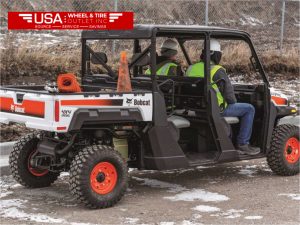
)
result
[(272, 23), (37, 55)]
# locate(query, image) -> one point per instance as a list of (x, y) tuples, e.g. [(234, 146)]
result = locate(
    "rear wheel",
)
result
[(21, 169), (283, 157), (98, 176)]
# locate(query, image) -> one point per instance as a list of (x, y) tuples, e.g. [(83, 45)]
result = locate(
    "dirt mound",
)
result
[(12, 132)]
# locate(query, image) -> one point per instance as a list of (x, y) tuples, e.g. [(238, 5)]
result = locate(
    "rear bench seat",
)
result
[(232, 120), (228, 119), (179, 122)]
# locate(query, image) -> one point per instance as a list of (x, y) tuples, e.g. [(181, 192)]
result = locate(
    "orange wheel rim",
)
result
[(103, 178), (34, 171), (291, 151)]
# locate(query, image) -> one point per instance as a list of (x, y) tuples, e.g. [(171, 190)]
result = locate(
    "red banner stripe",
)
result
[(70, 20), (27, 107)]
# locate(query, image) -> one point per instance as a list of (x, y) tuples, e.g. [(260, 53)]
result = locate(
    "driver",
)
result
[(226, 98), (166, 63)]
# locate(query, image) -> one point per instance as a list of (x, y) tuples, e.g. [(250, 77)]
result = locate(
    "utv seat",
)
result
[(101, 75), (184, 112), (231, 120), (143, 78), (179, 122), (228, 119)]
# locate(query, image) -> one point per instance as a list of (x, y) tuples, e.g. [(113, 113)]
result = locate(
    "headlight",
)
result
[(279, 100)]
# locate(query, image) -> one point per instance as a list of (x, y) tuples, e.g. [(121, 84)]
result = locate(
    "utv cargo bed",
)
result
[(39, 109)]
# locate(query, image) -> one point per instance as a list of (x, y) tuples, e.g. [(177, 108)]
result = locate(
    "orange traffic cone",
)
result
[(124, 84)]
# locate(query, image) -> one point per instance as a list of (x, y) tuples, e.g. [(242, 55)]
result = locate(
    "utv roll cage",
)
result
[(183, 33), (180, 33)]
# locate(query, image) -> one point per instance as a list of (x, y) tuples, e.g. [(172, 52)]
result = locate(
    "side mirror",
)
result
[(101, 55)]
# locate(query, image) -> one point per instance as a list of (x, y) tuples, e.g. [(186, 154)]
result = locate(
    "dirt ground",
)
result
[(235, 193)]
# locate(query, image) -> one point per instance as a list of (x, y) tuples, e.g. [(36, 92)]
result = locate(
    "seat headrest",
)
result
[(142, 61)]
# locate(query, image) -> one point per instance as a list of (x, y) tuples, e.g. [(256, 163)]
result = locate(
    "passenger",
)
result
[(166, 63), (226, 98)]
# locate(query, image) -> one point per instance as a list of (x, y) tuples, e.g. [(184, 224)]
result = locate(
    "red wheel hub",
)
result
[(103, 178), (291, 151), (34, 171)]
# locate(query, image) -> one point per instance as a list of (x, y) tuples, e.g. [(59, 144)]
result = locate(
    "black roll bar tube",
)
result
[(136, 49), (186, 56), (83, 59), (260, 67), (153, 61), (207, 66)]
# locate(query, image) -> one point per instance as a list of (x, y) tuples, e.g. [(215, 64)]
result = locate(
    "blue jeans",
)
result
[(245, 112)]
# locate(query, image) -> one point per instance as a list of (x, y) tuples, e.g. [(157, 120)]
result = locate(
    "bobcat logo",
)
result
[(129, 101)]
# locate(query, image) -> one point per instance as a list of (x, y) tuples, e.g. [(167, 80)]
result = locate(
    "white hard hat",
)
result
[(170, 44), (215, 45)]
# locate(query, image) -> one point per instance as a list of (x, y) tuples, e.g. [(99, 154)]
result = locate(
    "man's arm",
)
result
[(175, 71), (172, 71), (225, 86)]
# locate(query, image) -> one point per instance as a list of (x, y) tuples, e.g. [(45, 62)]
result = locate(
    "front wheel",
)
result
[(98, 176), (283, 157)]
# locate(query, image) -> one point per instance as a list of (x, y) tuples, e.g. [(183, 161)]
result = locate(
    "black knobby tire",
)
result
[(276, 156), (19, 163), (81, 171)]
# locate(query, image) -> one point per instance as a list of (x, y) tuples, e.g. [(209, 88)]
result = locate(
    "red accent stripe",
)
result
[(56, 111), (98, 102), (27, 107), (61, 128)]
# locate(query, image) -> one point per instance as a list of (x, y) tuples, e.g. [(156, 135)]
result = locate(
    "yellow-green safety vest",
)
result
[(164, 70), (197, 70)]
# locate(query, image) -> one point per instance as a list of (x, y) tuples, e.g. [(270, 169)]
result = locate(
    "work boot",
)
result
[(248, 150)]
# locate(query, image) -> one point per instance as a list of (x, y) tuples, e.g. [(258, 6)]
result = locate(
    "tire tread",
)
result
[(275, 156), (16, 169), (77, 173)]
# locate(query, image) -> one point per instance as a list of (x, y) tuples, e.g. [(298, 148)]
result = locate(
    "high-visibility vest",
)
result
[(197, 70), (163, 70)]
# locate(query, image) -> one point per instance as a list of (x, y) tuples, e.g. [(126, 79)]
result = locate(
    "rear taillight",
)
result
[(56, 110)]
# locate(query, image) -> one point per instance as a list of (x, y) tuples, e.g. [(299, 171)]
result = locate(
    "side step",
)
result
[(201, 158), (209, 158)]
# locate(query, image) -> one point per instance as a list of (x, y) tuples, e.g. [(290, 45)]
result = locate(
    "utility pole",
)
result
[(282, 25), (114, 43), (206, 12), (116, 6)]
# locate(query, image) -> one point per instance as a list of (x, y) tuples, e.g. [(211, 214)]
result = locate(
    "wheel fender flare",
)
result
[(104, 116)]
